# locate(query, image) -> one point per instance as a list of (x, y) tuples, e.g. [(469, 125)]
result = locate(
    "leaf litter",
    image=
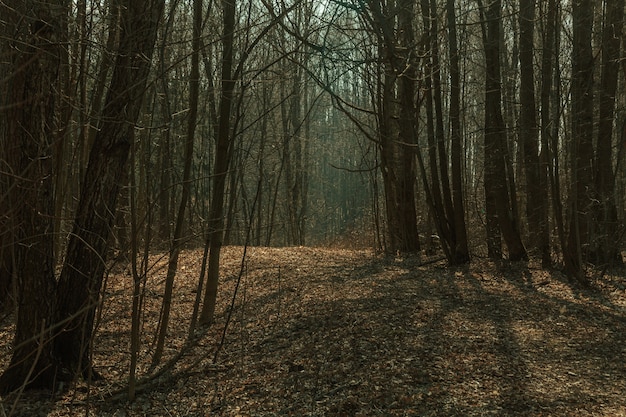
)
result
[(337, 332)]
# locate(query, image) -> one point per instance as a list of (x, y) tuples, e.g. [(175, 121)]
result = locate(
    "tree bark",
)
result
[(36, 30), (434, 129), (177, 241), (536, 190), (581, 186), (407, 130), (439, 128), (606, 251), (397, 140), (460, 251), (496, 187), (82, 274), (549, 154), (220, 171)]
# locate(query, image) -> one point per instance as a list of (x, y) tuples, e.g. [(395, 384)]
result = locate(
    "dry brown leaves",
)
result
[(322, 332)]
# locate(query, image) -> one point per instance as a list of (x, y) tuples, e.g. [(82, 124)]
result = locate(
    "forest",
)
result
[(402, 207)]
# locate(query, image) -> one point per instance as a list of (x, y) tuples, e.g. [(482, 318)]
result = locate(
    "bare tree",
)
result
[(581, 185), (536, 190), (496, 188), (397, 139), (177, 240), (35, 33), (461, 251), (79, 284), (222, 162), (606, 247)]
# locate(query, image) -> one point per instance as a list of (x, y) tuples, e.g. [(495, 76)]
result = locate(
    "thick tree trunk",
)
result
[(6, 154), (397, 141), (36, 30), (397, 165), (536, 190), (581, 187), (81, 277), (407, 137), (605, 250), (496, 187)]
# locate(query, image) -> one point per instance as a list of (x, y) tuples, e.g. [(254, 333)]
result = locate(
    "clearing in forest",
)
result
[(321, 332)]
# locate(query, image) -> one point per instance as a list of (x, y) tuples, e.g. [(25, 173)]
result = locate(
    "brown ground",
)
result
[(319, 332)]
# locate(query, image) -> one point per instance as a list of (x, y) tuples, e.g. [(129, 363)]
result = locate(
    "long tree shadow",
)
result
[(442, 342), (561, 349), (392, 337)]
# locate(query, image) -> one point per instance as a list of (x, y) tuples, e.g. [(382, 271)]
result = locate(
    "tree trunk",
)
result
[(222, 161), (496, 187), (407, 131), (460, 251), (581, 186), (606, 251), (165, 148), (549, 155), (81, 277), (536, 190), (439, 129), (434, 128), (177, 241), (36, 30), (397, 153)]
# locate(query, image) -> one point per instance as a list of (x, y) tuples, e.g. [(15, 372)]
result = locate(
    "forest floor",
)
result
[(321, 332)]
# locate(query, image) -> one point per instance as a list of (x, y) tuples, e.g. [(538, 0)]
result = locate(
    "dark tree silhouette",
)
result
[(35, 31), (81, 277), (581, 152), (496, 188)]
